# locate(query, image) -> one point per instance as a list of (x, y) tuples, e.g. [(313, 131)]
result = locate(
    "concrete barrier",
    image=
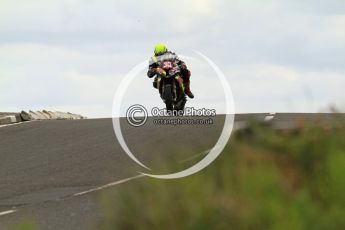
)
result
[(8, 118), (60, 115), (42, 115), (25, 116), (68, 116), (76, 116), (50, 115), (34, 115), (5, 120)]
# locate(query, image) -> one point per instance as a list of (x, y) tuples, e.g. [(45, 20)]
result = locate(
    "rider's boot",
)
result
[(187, 90)]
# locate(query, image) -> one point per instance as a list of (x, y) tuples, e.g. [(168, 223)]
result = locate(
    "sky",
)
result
[(71, 55)]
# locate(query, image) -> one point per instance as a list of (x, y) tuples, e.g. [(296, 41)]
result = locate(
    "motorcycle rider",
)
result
[(161, 51)]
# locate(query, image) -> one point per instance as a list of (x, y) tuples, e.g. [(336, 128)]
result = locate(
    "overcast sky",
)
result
[(70, 55)]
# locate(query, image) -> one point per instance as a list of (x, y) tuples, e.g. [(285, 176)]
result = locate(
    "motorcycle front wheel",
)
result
[(168, 97)]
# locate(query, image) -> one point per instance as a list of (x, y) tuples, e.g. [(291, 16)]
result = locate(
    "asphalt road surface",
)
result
[(51, 172)]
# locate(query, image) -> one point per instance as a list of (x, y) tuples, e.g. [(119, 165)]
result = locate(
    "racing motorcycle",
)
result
[(170, 85)]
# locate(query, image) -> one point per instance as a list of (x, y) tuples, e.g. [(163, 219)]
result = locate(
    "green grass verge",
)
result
[(264, 179)]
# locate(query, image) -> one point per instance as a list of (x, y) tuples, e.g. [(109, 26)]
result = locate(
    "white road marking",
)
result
[(109, 185), (7, 212), (131, 178), (18, 123), (270, 117)]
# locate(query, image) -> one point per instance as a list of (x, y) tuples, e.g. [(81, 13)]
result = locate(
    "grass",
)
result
[(264, 179), (25, 225)]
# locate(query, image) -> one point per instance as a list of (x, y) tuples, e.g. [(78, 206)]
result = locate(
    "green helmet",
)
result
[(160, 49)]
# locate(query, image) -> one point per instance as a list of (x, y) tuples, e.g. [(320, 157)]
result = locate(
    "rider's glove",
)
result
[(161, 71)]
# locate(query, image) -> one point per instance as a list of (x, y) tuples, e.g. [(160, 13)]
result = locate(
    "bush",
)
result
[(264, 179)]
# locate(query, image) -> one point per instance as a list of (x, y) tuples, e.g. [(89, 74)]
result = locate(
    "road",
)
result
[(51, 172)]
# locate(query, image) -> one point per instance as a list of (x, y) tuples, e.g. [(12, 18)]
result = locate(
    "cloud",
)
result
[(43, 76), (266, 87), (59, 53)]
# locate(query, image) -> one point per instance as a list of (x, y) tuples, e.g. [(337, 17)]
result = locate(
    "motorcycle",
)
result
[(170, 85)]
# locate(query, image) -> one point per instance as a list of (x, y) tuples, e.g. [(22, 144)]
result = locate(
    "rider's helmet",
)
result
[(160, 49)]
